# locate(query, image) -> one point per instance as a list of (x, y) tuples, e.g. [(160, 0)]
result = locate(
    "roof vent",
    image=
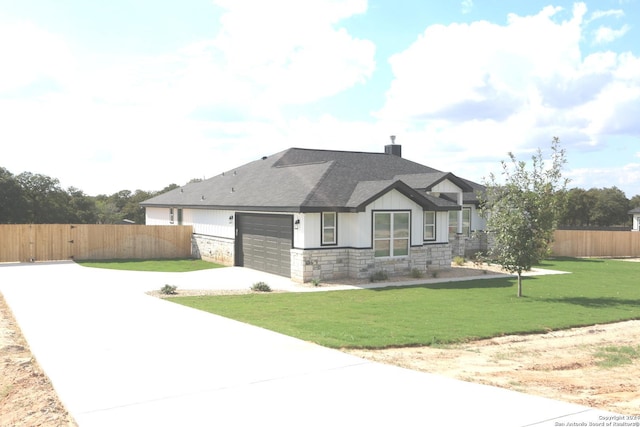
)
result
[(202, 197), (392, 148)]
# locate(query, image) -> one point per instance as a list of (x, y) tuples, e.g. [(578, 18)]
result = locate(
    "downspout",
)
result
[(460, 200)]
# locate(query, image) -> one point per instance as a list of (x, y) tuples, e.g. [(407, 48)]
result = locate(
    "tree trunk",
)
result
[(519, 284)]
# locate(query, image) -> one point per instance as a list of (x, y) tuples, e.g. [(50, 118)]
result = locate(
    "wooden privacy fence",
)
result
[(54, 242), (589, 243)]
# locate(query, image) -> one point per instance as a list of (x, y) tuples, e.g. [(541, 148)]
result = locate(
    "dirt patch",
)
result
[(560, 365), (27, 397)]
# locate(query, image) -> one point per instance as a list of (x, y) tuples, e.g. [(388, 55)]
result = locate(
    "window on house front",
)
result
[(179, 216), (429, 225), (466, 222), (391, 234), (329, 228), (170, 215)]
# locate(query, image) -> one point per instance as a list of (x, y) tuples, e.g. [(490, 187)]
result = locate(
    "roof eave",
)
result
[(409, 192), (466, 188)]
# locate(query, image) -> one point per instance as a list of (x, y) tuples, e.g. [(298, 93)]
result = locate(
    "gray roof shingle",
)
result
[(306, 180)]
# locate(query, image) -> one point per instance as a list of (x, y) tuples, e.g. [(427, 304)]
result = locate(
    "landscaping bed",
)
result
[(585, 365)]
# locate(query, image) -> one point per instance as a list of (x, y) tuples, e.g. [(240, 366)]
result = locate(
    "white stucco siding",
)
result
[(354, 230), (204, 221), (211, 222), (442, 227), (157, 216), (446, 186), (309, 233)]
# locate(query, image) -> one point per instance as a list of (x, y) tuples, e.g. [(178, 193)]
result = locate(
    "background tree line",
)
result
[(597, 207), (30, 198)]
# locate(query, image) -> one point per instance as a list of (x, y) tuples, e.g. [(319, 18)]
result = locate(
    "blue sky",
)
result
[(139, 94)]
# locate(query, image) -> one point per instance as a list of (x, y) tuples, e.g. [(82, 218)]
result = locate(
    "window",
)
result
[(170, 215), (179, 216), (329, 228), (429, 225), (466, 222), (390, 234)]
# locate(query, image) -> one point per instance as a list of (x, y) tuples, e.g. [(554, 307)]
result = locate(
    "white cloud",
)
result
[(497, 88), (616, 13), (30, 56), (627, 178), (293, 52), (172, 114), (607, 34)]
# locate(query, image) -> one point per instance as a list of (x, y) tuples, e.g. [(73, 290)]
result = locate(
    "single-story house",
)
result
[(313, 214), (636, 218)]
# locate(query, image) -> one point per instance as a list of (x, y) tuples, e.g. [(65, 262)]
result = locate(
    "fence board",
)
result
[(589, 243), (52, 242)]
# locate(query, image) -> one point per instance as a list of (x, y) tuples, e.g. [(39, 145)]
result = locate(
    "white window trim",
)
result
[(324, 227), (432, 225), (391, 238), (468, 233)]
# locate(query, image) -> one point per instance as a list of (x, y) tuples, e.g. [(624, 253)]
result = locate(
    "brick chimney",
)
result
[(392, 148)]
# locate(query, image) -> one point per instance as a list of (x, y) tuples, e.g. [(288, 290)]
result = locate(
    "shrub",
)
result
[(434, 273), (168, 290), (315, 282), (478, 259), (458, 261), (378, 276), (416, 274), (260, 287)]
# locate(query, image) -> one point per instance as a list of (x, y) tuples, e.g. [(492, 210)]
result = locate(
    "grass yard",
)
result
[(597, 291), (163, 265)]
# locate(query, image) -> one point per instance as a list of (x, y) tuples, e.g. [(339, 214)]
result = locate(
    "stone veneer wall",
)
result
[(210, 248), (332, 264), (468, 246)]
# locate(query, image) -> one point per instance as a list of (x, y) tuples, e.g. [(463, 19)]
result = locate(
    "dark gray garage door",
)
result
[(263, 242)]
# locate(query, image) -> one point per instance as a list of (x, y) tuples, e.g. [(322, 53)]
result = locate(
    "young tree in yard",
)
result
[(522, 212)]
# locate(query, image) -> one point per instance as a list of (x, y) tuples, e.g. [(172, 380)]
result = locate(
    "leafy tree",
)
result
[(35, 198), (634, 202), (610, 207), (107, 211), (82, 208), (12, 204), (577, 208), (132, 210), (45, 201), (523, 212)]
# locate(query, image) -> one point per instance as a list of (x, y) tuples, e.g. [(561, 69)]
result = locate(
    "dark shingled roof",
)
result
[(306, 180)]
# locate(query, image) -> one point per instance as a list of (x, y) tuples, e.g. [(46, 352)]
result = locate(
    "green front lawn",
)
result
[(163, 265), (596, 291)]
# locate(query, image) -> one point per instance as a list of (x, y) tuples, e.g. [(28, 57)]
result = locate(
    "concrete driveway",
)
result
[(118, 357)]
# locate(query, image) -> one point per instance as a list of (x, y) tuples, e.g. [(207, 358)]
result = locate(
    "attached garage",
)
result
[(264, 242)]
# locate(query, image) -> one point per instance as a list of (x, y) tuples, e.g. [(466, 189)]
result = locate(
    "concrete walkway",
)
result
[(118, 357)]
